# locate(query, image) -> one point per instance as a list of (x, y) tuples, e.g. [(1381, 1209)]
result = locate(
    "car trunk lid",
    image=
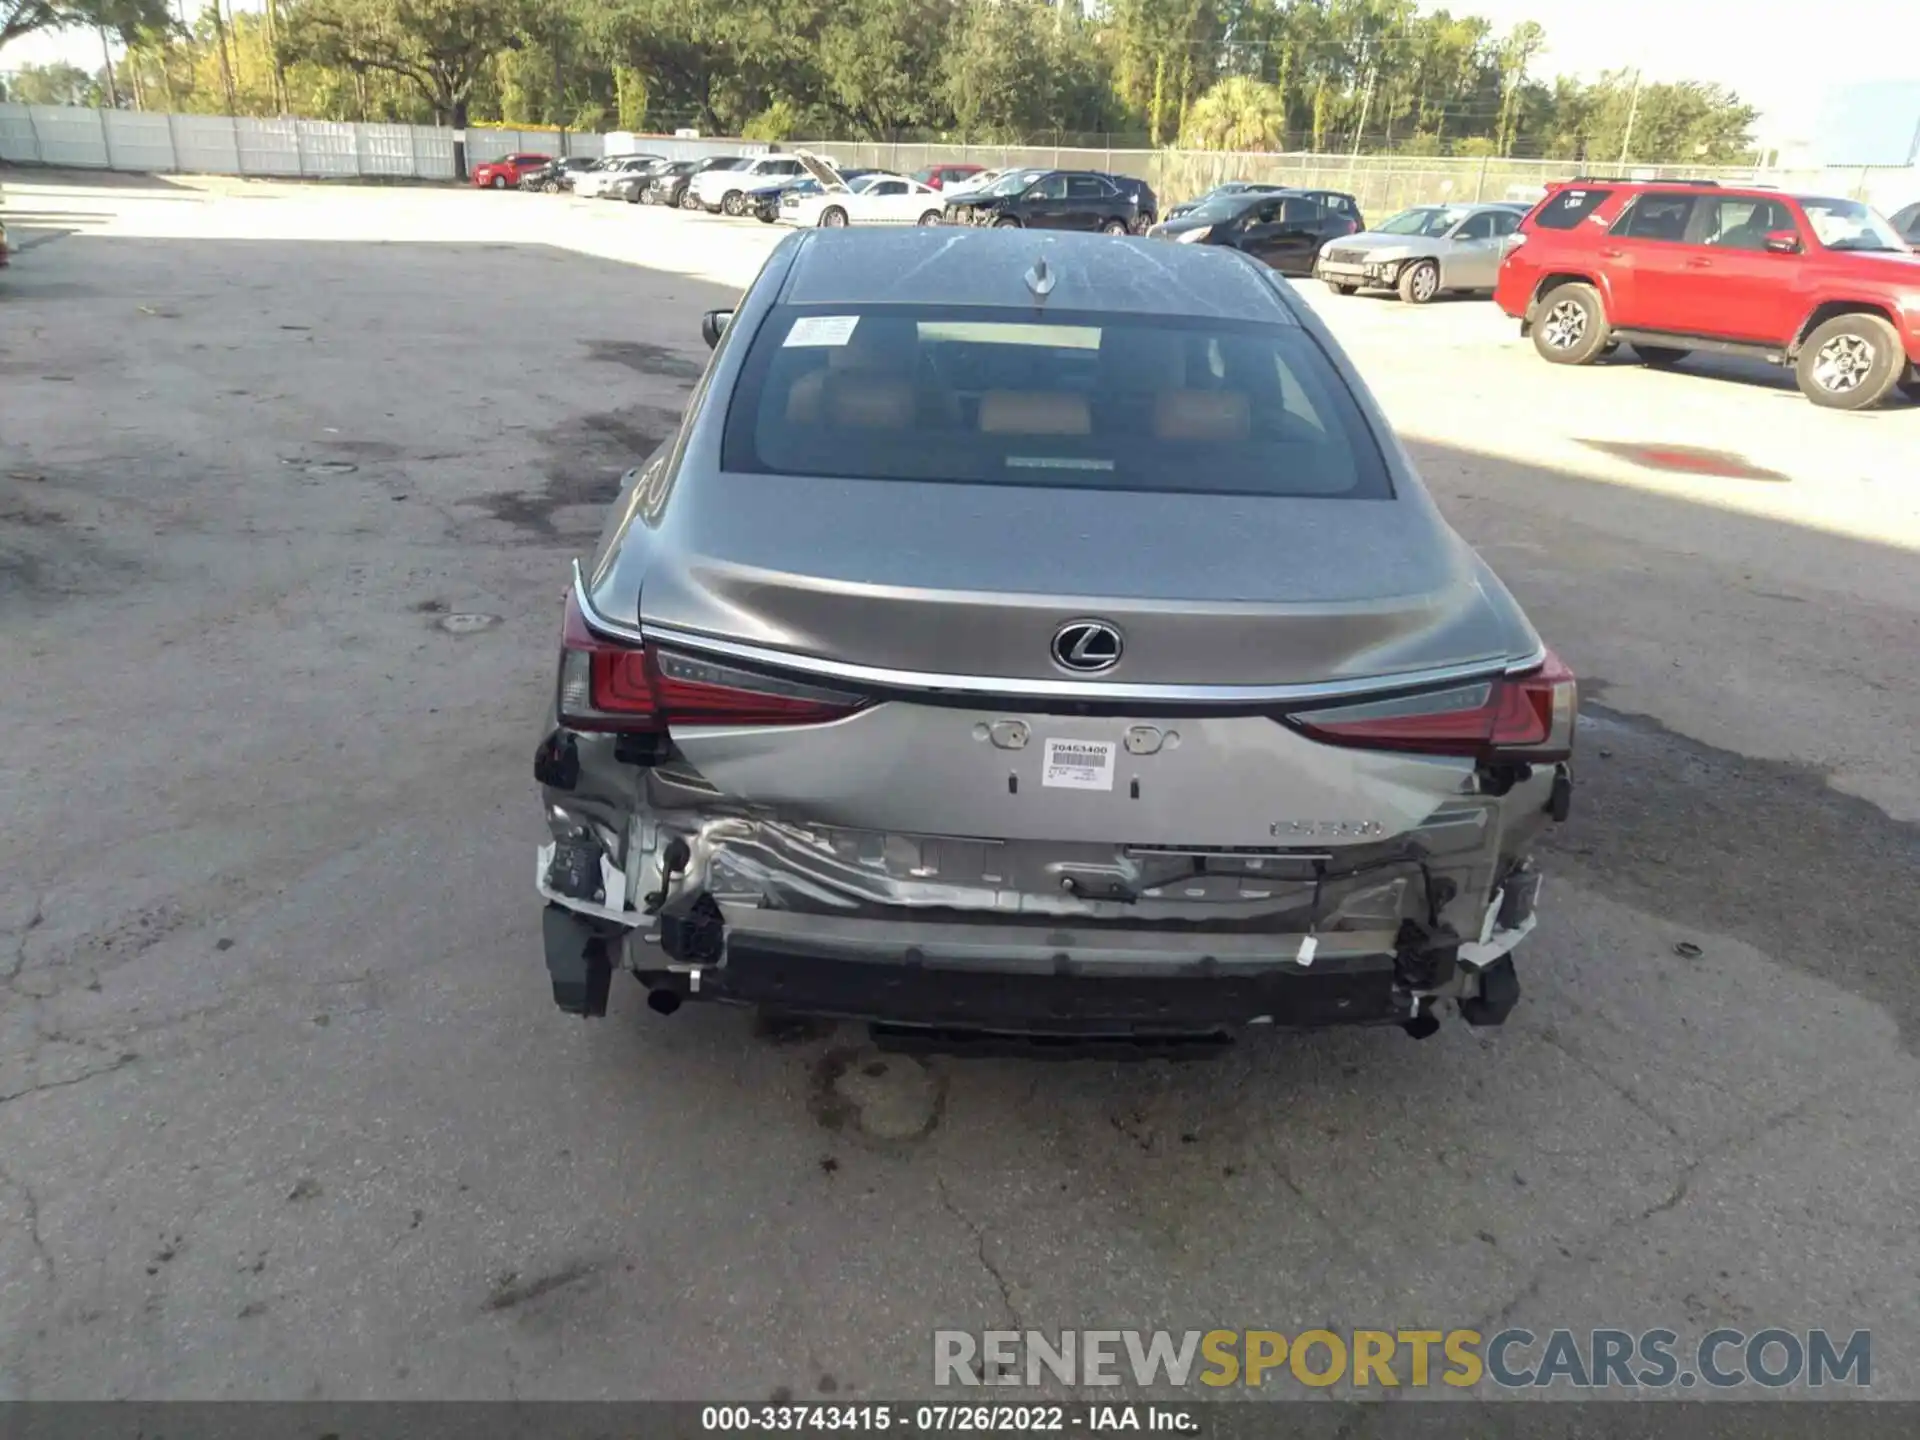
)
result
[(952, 583)]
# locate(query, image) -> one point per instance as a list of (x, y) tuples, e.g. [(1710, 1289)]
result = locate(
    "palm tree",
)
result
[(1240, 113)]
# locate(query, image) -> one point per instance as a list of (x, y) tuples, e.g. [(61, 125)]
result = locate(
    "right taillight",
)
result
[(611, 684), (1524, 717)]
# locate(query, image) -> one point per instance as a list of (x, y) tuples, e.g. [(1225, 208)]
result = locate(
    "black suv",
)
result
[(1058, 200)]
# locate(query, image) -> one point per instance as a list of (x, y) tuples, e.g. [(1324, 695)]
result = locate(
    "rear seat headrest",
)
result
[(1201, 415), (869, 402), (1034, 412)]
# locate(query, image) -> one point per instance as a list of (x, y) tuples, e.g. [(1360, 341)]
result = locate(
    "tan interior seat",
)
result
[(1034, 412), (804, 396), (1201, 415), (859, 401), (879, 346)]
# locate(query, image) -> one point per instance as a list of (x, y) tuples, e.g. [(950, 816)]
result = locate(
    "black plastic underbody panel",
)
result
[(1349, 993)]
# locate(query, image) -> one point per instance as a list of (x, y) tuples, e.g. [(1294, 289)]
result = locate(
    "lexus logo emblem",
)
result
[(1088, 646)]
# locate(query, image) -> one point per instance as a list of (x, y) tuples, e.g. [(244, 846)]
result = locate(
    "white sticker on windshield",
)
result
[(1079, 765), (822, 330)]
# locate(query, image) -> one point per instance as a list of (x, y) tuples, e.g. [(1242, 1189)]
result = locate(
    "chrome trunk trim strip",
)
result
[(1013, 688)]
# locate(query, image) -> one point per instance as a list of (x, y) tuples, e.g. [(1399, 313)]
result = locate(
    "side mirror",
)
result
[(1783, 242), (713, 325)]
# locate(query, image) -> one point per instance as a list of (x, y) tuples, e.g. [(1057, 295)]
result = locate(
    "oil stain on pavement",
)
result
[(1687, 460)]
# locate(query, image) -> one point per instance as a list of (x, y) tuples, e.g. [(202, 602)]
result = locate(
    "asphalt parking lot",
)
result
[(289, 478)]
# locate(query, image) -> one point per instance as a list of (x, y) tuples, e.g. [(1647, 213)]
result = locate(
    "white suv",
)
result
[(724, 186)]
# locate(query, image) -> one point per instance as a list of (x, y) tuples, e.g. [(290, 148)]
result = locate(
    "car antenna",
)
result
[(1040, 279)]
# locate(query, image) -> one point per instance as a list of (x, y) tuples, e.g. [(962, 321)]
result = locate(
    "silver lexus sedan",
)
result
[(1037, 637)]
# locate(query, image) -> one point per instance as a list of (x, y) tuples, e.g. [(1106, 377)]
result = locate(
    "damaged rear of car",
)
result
[(1042, 637)]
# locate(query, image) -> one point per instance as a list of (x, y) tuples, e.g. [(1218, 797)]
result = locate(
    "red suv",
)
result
[(1824, 285), (508, 171), (939, 177)]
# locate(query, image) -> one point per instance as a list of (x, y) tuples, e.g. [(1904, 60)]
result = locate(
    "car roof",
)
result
[(1249, 199), (989, 268)]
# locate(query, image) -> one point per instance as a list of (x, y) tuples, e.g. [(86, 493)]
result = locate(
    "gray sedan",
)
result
[(1037, 638), (1424, 252)]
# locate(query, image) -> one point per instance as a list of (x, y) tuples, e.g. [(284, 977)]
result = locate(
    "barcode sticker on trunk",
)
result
[(1079, 765)]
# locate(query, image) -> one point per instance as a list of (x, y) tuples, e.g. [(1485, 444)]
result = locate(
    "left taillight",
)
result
[(1526, 717), (611, 684)]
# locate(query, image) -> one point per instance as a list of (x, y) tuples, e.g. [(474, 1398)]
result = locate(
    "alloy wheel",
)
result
[(1565, 325), (1843, 364), (1426, 280)]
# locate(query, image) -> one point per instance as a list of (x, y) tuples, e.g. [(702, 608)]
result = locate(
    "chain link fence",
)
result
[(1381, 183), (226, 145)]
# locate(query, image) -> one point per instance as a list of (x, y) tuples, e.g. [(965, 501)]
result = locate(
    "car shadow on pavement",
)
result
[(289, 1111), (36, 177), (1735, 369)]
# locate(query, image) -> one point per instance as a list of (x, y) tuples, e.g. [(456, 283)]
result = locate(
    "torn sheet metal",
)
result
[(613, 884), (1495, 940)]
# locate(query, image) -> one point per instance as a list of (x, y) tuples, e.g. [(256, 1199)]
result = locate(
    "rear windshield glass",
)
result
[(1566, 208), (1094, 401), (1428, 220)]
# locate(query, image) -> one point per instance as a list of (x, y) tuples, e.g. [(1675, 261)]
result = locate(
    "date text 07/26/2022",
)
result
[(949, 1419)]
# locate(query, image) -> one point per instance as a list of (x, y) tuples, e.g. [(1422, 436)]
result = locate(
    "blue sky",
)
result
[(1787, 57)]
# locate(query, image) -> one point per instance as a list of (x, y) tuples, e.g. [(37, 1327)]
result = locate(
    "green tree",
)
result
[(717, 62), (126, 18), (56, 84), (995, 70), (881, 63), (630, 89), (1329, 74), (1516, 53), (1240, 113), (1166, 53), (440, 47)]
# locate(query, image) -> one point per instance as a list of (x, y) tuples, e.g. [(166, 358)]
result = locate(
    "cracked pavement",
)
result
[(286, 1112)]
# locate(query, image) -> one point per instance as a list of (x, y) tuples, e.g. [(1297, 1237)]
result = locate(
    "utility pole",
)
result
[(1633, 109), (281, 100), (226, 62), (559, 82), (164, 51), (113, 91), (1366, 104)]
